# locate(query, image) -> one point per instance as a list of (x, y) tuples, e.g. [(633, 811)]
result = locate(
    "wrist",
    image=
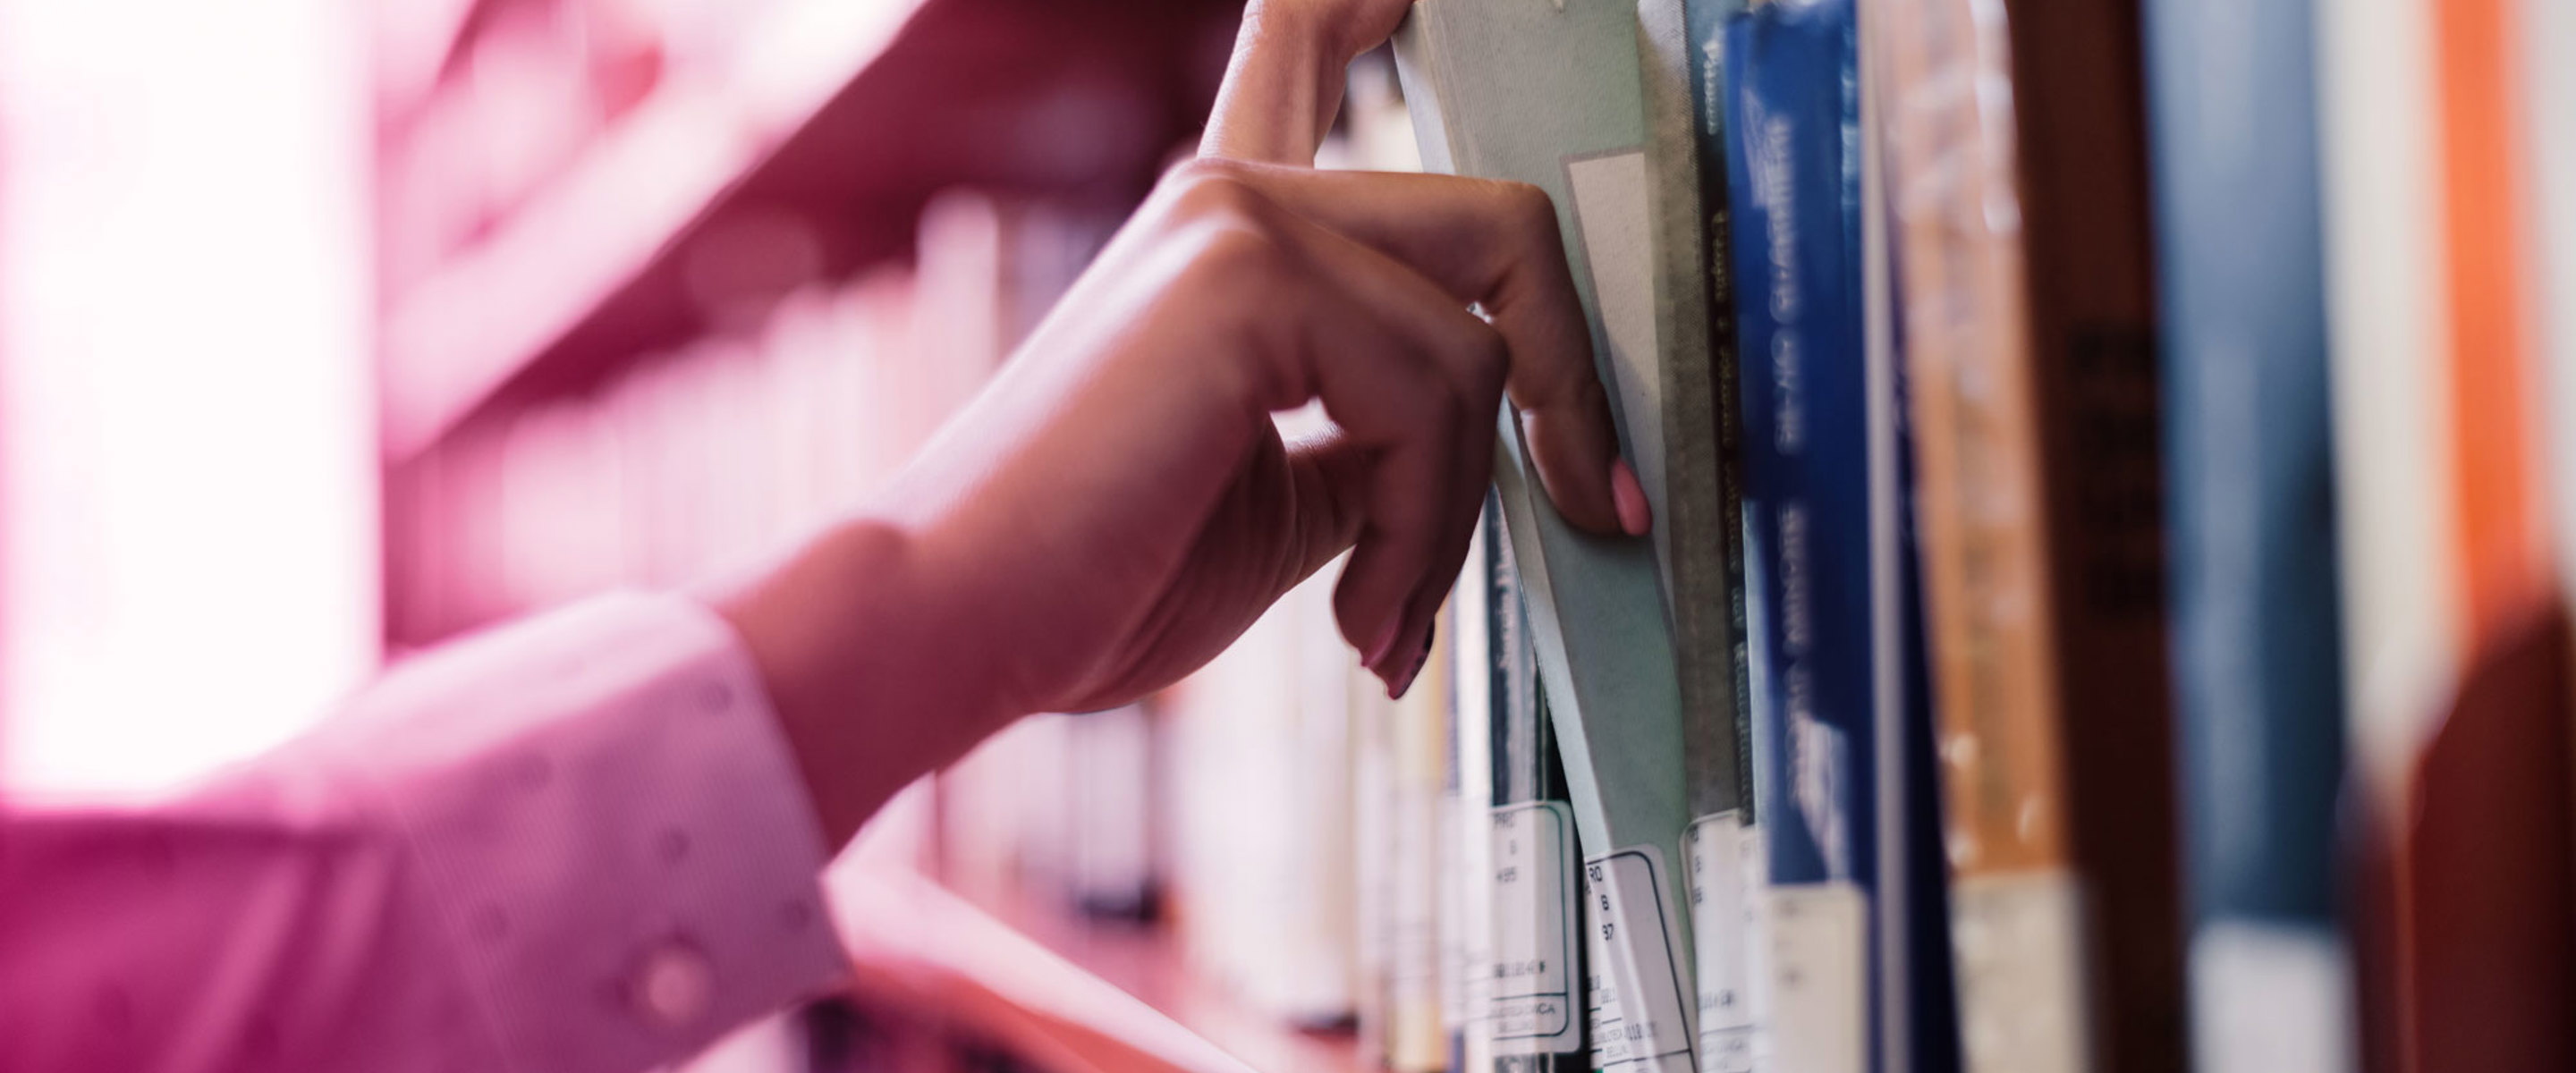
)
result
[(1288, 68), (869, 692), (1291, 29)]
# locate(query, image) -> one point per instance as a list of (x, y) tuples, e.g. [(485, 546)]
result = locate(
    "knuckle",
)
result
[(1237, 252), (1209, 187), (1529, 209)]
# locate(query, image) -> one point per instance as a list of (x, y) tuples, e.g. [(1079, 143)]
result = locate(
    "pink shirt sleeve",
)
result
[(576, 844)]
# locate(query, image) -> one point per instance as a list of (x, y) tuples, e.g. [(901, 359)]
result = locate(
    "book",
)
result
[(1467, 825), (1823, 515), (1267, 844), (1532, 1022), (2455, 633), (2472, 889), (1549, 95), (1699, 507), (2024, 255), (1917, 1009), (2250, 499), (1417, 1033), (2548, 35)]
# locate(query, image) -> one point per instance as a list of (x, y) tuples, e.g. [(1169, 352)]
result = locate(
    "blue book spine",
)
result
[(1793, 180), (1930, 1032), (2249, 498), (2248, 451)]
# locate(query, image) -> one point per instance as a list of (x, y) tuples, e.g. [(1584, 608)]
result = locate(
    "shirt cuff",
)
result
[(611, 825)]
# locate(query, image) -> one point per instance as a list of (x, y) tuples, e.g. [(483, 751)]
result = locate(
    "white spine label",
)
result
[(1636, 975), (1820, 977), (1532, 1009), (1724, 855), (2021, 971)]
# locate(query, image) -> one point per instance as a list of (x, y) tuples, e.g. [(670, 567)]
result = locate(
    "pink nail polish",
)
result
[(1401, 686), (1629, 498)]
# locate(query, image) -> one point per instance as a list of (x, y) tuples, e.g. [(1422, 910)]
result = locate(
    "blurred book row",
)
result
[(2114, 467)]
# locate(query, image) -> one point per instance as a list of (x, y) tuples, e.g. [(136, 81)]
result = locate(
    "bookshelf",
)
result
[(688, 182), (1020, 972), (842, 119), (652, 297)]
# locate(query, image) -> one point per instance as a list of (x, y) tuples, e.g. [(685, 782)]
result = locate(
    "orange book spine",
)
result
[(2503, 546)]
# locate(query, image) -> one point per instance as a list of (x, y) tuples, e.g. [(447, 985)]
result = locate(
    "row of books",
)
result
[(689, 461), (2112, 484), (2112, 465)]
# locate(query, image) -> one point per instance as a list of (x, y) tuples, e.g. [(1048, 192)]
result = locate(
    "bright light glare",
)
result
[(187, 470)]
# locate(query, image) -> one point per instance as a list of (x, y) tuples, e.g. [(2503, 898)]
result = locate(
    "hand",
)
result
[(1118, 506)]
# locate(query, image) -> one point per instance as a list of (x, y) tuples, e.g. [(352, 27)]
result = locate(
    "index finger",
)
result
[(1495, 245)]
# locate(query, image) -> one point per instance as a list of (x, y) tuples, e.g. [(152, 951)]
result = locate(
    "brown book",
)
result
[(2482, 893), (2025, 259)]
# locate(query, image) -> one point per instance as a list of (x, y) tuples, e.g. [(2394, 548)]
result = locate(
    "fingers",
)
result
[(1414, 380), (1285, 80), (1496, 245), (1411, 379)]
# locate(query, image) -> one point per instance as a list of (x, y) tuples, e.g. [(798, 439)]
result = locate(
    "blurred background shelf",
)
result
[(664, 283), (1055, 988), (542, 224)]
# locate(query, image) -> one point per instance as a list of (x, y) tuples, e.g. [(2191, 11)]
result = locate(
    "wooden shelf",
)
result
[(1081, 994), (860, 112)]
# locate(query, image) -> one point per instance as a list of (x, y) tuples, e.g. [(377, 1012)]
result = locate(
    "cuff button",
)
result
[(674, 985)]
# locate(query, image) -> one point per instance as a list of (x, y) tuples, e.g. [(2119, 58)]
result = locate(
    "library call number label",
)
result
[(1534, 940)]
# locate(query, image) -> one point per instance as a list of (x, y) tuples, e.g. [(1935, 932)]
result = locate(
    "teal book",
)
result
[(1548, 94)]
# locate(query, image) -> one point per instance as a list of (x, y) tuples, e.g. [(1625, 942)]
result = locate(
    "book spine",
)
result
[(1466, 825), (2034, 386), (2250, 496), (1417, 1039), (1704, 30), (1792, 102), (2549, 98), (1694, 538), (1700, 521), (2013, 897), (2087, 226), (1531, 1021), (1919, 1022), (1604, 649)]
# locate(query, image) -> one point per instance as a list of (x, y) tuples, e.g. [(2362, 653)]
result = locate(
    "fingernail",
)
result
[(1405, 683), (1384, 644), (1630, 499)]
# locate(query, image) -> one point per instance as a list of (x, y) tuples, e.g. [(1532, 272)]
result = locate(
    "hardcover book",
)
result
[(2455, 625), (2023, 248), (1548, 94), (1700, 516), (2250, 497), (1812, 517), (1532, 1018)]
